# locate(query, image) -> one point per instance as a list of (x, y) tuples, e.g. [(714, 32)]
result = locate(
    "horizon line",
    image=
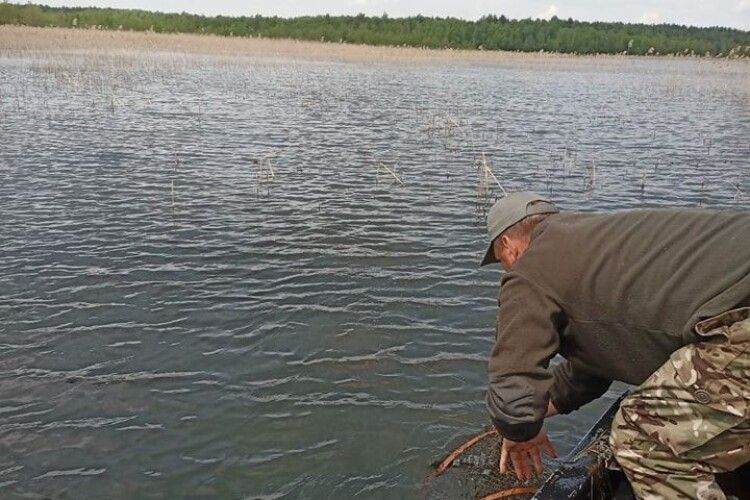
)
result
[(384, 15)]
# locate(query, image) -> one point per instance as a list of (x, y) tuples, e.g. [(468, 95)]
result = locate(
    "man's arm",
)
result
[(519, 376), (573, 387)]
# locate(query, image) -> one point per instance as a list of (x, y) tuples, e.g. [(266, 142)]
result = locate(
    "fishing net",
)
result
[(471, 471), (589, 472)]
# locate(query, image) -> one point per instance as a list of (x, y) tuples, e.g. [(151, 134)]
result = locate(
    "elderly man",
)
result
[(655, 298)]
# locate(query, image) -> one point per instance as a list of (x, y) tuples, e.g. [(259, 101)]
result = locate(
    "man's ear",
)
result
[(505, 240)]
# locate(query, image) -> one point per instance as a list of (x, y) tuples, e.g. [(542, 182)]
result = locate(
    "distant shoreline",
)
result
[(26, 38), (488, 33)]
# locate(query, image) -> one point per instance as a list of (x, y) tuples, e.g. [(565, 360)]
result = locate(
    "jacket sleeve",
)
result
[(527, 338), (573, 387)]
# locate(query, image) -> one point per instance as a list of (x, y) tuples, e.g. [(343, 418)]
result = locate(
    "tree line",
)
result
[(488, 33)]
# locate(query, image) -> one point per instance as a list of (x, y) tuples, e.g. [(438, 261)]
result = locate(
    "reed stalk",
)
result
[(393, 174)]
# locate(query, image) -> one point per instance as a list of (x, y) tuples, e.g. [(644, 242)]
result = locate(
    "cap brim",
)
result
[(489, 257)]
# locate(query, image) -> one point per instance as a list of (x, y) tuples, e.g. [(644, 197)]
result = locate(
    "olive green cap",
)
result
[(512, 209)]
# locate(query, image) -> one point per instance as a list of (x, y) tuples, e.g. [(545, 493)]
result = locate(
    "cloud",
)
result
[(551, 11), (650, 17), (743, 5)]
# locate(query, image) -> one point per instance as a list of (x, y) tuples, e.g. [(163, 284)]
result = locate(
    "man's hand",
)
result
[(523, 454)]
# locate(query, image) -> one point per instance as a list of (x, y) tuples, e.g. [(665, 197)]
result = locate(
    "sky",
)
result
[(731, 13)]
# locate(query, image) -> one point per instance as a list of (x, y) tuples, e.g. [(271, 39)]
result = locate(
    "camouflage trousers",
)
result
[(691, 418)]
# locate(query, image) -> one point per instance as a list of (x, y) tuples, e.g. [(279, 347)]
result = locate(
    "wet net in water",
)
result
[(471, 471)]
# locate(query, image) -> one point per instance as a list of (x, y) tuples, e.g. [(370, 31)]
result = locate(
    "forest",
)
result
[(488, 33)]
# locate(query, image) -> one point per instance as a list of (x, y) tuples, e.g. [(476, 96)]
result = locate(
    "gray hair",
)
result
[(523, 228)]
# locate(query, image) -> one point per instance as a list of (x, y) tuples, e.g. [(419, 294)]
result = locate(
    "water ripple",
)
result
[(176, 323)]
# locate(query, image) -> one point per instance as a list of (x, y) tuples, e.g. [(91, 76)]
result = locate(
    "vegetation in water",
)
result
[(489, 33)]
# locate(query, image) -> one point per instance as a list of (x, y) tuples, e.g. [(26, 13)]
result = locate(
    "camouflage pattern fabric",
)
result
[(691, 418)]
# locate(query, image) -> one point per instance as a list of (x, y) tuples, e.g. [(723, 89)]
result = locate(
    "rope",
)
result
[(522, 490)]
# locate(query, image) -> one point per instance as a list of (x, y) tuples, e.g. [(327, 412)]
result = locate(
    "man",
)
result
[(655, 298)]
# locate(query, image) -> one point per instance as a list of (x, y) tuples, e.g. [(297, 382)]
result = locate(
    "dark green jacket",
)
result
[(615, 294)]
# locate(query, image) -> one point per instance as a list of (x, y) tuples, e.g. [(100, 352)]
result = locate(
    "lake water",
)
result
[(208, 289)]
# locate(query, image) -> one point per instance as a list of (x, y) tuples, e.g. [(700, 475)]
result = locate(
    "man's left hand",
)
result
[(523, 454)]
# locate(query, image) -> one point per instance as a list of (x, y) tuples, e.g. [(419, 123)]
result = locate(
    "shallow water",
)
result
[(178, 321)]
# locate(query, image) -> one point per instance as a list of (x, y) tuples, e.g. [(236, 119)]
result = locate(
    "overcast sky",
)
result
[(734, 13)]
